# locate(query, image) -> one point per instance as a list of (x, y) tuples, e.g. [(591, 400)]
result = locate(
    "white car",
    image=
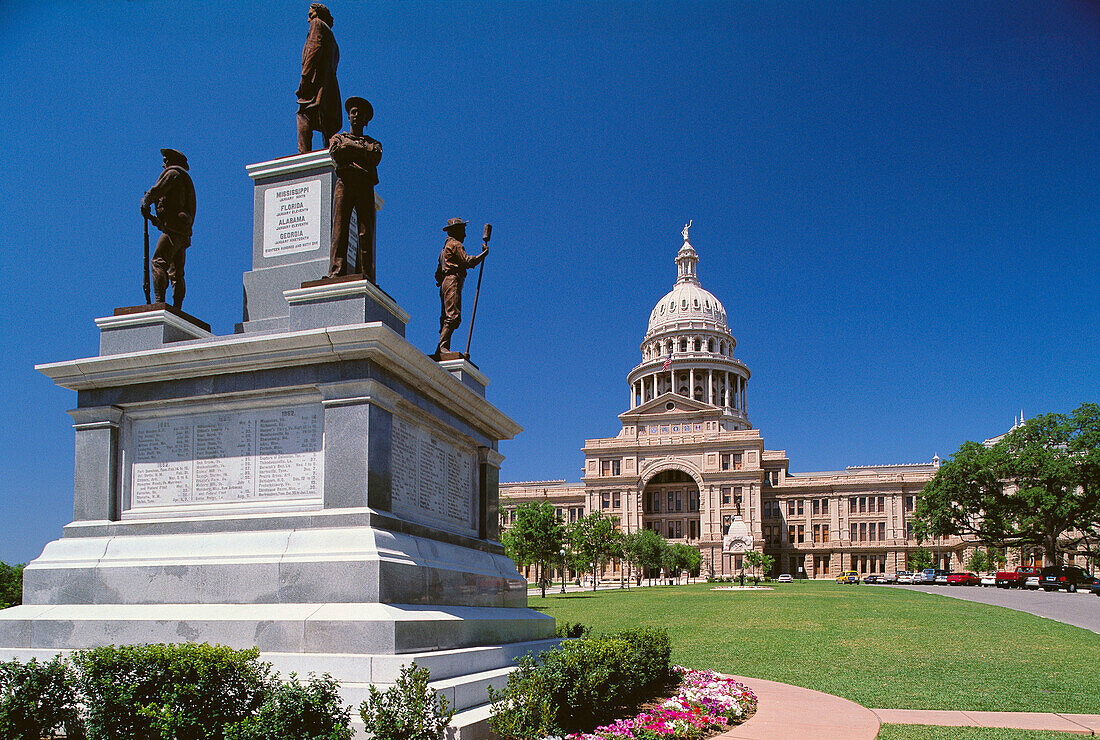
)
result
[(904, 576), (989, 579), (784, 578), (1032, 583)]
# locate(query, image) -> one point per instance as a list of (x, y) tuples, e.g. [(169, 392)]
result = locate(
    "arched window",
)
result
[(698, 343), (683, 345), (710, 345)]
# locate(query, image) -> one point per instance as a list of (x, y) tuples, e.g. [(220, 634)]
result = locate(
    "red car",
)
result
[(963, 579)]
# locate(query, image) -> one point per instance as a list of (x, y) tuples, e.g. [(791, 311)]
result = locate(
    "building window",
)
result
[(852, 505), (882, 531), (824, 532), (909, 503), (693, 501), (678, 502), (855, 532), (790, 533), (610, 467), (881, 504), (616, 502), (605, 502), (679, 532), (790, 507), (725, 494), (801, 508), (671, 530), (656, 502), (737, 461), (909, 530), (824, 506), (817, 506), (775, 477), (801, 533), (726, 460), (693, 529)]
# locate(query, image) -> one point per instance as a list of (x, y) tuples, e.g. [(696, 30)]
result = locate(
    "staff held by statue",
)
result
[(485, 236)]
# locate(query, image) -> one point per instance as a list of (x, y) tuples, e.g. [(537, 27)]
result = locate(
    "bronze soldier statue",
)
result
[(449, 276), (173, 194), (318, 92), (356, 157)]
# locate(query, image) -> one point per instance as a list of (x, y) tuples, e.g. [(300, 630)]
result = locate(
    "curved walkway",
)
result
[(785, 711)]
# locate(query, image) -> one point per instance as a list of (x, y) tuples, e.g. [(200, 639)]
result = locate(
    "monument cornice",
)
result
[(241, 353)]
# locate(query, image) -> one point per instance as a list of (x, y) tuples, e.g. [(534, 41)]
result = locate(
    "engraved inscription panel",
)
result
[(241, 456), (292, 218), (432, 479)]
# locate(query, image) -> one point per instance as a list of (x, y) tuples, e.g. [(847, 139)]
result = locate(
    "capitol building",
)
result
[(689, 464)]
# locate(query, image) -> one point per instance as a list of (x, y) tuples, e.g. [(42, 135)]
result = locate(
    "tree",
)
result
[(979, 561), (754, 560), (645, 548), (1038, 483), (767, 562), (535, 538), (677, 558), (694, 561), (594, 539), (919, 559), (11, 585)]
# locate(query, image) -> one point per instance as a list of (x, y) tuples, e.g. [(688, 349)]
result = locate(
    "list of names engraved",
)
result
[(268, 454), (431, 478), (292, 218)]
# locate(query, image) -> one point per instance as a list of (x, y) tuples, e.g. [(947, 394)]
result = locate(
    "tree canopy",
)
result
[(1037, 485), (594, 538), (11, 585), (645, 549), (535, 538)]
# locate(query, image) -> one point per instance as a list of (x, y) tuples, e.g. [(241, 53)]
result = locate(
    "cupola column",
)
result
[(710, 387), (691, 383)]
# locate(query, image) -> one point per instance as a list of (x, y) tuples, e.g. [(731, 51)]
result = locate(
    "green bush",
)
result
[(524, 709), (37, 700), (650, 655), (590, 679), (294, 711), (11, 585), (174, 692), (567, 629), (409, 710)]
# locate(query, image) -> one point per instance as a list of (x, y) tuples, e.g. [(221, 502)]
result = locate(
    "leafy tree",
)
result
[(1040, 482), (678, 558), (535, 538), (594, 539), (11, 585), (645, 548), (694, 561), (767, 562), (920, 559), (754, 560)]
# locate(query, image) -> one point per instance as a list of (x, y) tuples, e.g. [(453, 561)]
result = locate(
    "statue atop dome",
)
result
[(685, 231)]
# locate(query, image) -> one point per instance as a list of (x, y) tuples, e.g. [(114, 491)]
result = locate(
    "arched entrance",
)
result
[(670, 505)]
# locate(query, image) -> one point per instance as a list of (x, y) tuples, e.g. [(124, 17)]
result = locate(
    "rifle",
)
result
[(481, 269), (145, 273)]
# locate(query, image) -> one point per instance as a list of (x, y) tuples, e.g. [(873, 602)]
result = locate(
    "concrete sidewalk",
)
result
[(1075, 724)]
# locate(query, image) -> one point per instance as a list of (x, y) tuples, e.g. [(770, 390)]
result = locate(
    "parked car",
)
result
[(784, 578), (874, 578), (1095, 587), (1068, 577), (890, 578), (989, 580), (963, 579), (905, 576), (848, 576), (928, 575), (941, 577), (1015, 578), (1032, 583)]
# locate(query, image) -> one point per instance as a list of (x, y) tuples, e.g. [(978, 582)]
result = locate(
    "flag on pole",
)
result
[(668, 363)]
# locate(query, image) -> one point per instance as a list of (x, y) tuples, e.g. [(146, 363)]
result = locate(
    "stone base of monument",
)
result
[(327, 494)]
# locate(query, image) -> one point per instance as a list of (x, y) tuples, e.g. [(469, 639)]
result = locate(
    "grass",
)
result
[(929, 732), (876, 645)]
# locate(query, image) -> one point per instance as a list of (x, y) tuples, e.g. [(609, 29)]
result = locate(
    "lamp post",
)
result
[(562, 553)]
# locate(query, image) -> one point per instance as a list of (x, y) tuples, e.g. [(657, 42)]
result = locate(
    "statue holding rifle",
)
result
[(173, 195)]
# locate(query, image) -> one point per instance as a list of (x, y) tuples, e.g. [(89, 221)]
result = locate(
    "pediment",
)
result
[(660, 406)]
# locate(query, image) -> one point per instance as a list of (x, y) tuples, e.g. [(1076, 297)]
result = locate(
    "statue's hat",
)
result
[(174, 156), (453, 223), (361, 103)]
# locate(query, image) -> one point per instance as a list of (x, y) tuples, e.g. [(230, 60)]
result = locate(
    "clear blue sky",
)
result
[(898, 203)]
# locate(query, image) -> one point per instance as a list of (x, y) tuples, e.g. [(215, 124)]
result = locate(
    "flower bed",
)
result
[(704, 705)]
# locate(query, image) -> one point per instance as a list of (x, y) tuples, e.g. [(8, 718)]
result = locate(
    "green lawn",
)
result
[(876, 645), (929, 732)]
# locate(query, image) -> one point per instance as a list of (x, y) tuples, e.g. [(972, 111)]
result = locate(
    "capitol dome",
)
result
[(687, 302), (688, 349)]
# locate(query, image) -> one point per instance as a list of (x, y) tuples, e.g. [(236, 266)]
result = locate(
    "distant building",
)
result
[(688, 462)]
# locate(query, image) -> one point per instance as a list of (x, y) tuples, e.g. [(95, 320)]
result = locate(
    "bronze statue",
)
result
[(174, 196), (449, 276), (356, 157), (318, 92)]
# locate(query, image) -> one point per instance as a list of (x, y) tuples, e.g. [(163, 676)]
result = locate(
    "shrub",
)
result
[(174, 692), (589, 679), (524, 709), (567, 629), (650, 655), (37, 700), (408, 710), (296, 712), (11, 585)]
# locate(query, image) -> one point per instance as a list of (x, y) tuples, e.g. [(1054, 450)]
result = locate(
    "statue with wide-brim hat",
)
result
[(450, 274), (356, 157)]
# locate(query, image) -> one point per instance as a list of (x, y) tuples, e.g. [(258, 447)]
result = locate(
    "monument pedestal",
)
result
[(314, 486)]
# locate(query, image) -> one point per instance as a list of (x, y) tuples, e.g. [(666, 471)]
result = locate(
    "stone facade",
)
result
[(687, 461)]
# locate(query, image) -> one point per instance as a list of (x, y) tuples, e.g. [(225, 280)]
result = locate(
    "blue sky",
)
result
[(896, 202)]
